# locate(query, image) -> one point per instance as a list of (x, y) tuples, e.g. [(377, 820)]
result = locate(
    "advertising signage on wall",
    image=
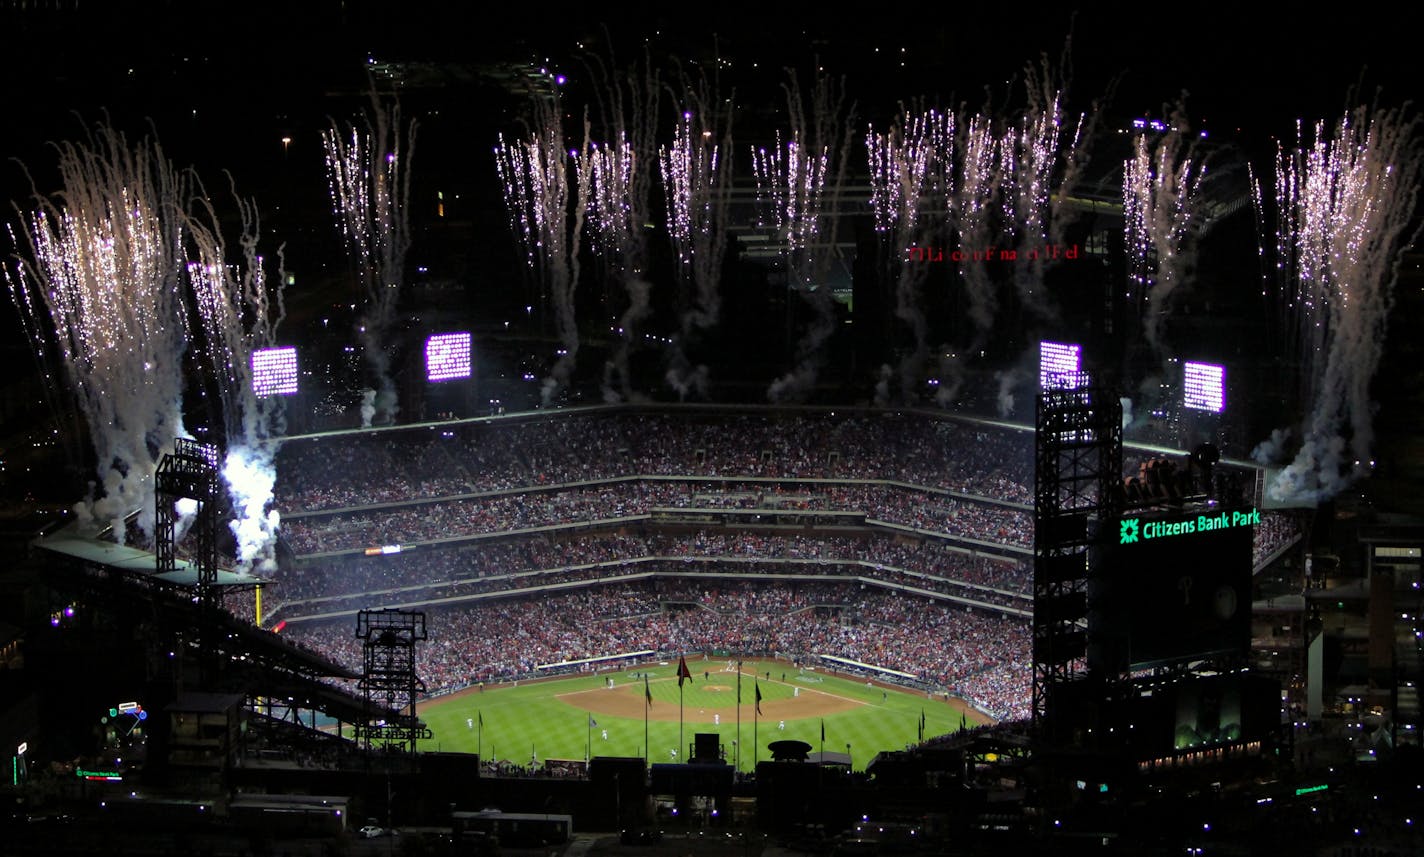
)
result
[(1177, 588), (1133, 530)]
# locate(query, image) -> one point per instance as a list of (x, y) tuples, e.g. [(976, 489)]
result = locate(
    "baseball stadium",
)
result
[(908, 474)]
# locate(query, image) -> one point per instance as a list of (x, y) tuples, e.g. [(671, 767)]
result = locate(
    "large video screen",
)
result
[(1180, 585), (1057, 363), (447, 356), (274, 372), (1204, 387)]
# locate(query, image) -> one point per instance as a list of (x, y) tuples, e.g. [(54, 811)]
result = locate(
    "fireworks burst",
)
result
[(1035, 160), (238, 313), (697, 179), (794, 183), (105, 267), (978, 188), (620, 176), (1160, 211), (912, 181), (537, 181), (369, 172), (1345, 202)]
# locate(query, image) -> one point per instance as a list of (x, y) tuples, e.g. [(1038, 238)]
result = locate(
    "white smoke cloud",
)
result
[(250, 474), (368, 407)]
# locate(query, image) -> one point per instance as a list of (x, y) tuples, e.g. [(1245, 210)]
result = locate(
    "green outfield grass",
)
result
[(567, 718)]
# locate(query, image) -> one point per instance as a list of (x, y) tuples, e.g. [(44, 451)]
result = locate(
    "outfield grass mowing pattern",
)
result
[(568, 718)]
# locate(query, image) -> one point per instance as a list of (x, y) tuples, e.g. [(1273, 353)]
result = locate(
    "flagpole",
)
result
[(647, 703), (682, 673), (588, 739), (737, 754), (480, 735), (756, 717)]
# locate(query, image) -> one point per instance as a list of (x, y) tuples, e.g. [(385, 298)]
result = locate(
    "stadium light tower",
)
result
[(1058, 364), (1204, 387), (274, 372)]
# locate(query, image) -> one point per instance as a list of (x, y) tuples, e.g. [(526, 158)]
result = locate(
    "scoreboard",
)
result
[(1174, 587)]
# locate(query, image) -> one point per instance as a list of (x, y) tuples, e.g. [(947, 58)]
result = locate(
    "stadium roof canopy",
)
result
[(134, 560)]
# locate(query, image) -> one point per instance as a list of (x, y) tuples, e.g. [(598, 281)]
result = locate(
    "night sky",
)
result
[(221, 86)]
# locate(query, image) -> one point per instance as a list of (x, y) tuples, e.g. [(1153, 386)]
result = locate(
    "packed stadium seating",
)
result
[(574, 527)]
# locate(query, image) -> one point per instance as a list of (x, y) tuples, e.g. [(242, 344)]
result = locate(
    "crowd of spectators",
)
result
[(980, 656), (357, 469), (445, 519), (460, 499), (359, 582)]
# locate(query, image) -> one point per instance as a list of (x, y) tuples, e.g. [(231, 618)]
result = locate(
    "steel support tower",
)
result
[(189, 472), (388, 678), (1077, 462)]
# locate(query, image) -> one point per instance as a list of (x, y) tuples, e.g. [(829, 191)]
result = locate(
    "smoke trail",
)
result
[(688, 380), (976, 191), (537, 184), (911, 169), (1161, 207), (369, 172), (1035, 160), (1005, 399), (238, 313), (368, 407), (951, 377), (882, 385), (1346, 201), (793, 184), (105, 266), (697, 181), (621, 176)]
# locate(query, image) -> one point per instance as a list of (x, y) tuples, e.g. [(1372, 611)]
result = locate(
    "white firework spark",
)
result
[(975, 204), (369, 172), (538, 191), (239, 310), (697, 180), (798, 189), (912, 183), (1345, 201), (619, 203), (1161, 203), (105, 267)]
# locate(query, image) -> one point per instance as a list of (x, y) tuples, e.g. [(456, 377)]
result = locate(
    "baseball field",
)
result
[(606, 714)]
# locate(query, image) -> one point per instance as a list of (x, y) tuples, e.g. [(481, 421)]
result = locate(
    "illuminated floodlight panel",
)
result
[(1057, 359), (447, 356), (274, 372), (1204, 387)]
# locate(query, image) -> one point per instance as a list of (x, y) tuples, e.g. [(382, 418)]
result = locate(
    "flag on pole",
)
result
[(682, 670), (823, 729), (481, 716), (647, 691), (758, 697), (922, 724), (592, 724)]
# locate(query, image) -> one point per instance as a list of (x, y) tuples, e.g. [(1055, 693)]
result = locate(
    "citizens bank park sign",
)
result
[(1134, 530)]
